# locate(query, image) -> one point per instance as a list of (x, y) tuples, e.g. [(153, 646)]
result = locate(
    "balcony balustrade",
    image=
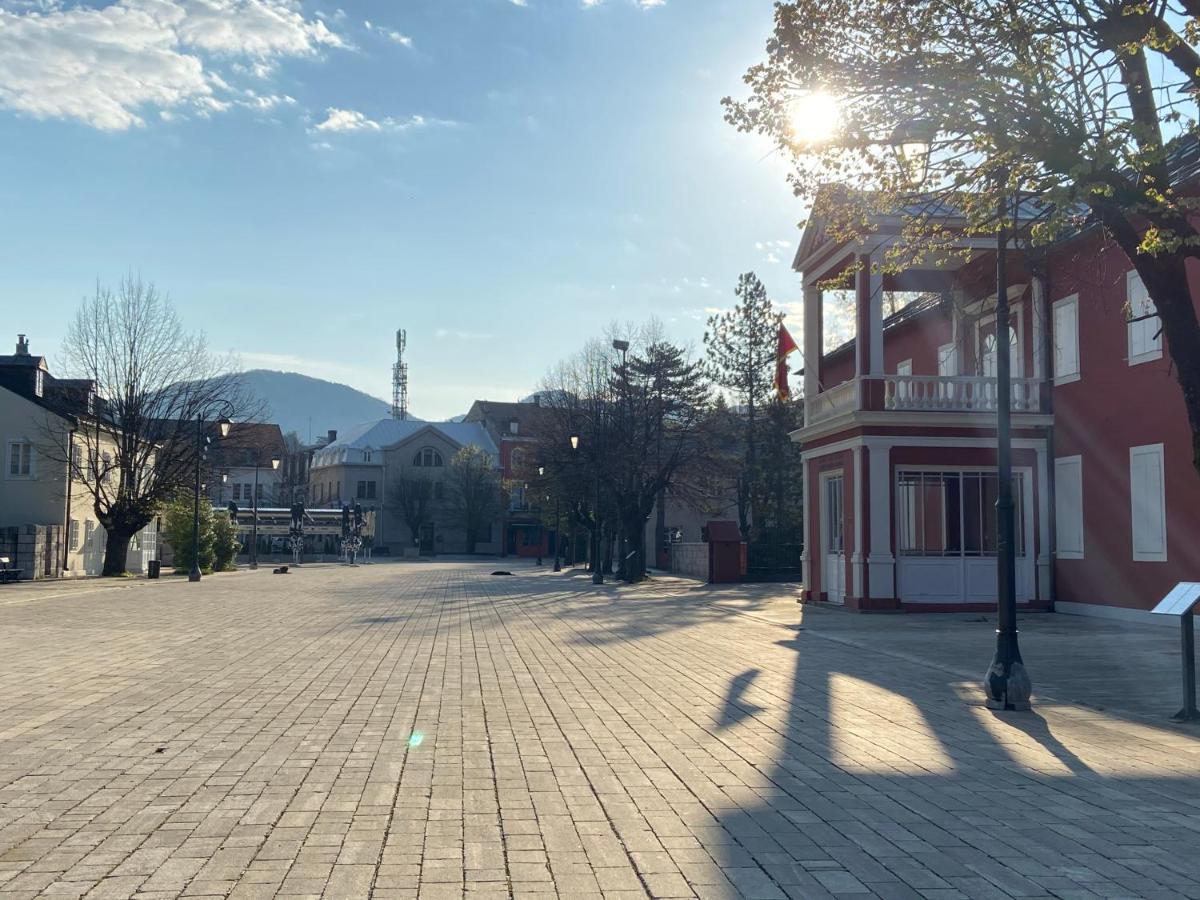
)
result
[(933, 393)]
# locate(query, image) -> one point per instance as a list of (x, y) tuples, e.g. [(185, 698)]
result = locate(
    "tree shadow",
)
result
[(736, 707)]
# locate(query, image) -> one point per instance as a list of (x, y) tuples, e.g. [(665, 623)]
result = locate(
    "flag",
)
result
[(785, 348)]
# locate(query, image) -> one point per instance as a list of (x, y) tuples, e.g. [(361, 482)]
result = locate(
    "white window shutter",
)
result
[(1068, 507), (1066, 340), (1147, 496)]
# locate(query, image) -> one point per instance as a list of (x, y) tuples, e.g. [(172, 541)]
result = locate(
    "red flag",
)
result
[(785, 348)]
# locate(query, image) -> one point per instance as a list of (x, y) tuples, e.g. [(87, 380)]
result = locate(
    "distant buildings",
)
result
[(231, 465), (48, 526), (372, 463)]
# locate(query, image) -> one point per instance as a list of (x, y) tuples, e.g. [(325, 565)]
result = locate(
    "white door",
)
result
[(833, 572)]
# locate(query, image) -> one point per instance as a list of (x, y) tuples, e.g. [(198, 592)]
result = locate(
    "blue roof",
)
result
[(387, 433)]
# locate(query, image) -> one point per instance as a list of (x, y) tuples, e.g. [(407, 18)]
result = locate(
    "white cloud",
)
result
[(349, 120), (390, 34), (108, 66)]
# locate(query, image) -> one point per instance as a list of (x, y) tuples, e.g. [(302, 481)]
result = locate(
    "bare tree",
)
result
[(413, 495), (474, 491), (154, 381)]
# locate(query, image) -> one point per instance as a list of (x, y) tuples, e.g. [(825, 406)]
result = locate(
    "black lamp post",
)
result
[(254, 529), (1007, 683), (597, 567), (223, 424)]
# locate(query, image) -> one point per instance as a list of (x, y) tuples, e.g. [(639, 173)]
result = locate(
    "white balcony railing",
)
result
[(956, 393), (833, 402)]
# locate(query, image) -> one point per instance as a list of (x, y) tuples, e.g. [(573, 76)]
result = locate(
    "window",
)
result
[(1145, 343), (952, 513), (1068, 507), (20, 459), (258, 493), (514, 427), (947, 360), (73, 535), (1148, 503), (366, 456), (989, 354), (39, 383), (76, 460), (1066, 340), (438, 491), (904, 368), (428, 458), (366, 490)]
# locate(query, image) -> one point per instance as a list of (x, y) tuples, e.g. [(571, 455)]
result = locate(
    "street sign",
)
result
[(1181, 599), (1180, 602)]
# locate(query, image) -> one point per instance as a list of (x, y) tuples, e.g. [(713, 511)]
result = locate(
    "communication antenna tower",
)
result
[(400, 378)]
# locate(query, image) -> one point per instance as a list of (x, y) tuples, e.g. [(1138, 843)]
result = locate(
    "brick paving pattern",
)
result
[(428, 730)]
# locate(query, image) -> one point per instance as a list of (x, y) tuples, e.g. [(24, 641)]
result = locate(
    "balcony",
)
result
[(957, 393), (921, 393)]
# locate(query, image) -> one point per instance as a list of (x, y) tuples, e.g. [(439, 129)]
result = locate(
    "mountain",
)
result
[(312, 406)]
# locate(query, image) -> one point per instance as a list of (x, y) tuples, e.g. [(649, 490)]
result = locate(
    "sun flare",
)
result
[(814, 118)]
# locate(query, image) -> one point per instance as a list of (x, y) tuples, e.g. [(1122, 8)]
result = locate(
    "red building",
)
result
[(899, 435)]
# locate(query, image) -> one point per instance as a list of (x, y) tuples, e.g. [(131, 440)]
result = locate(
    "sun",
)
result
[(814, 118)]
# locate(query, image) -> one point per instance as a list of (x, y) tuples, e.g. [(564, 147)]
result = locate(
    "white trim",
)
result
[(1060, 463), (1071, 302), (852, 418), (1154, 451), (886, 442), (856, 558), (1117, 613)]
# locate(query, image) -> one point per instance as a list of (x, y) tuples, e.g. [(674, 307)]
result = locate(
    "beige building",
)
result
[(48, 527), (367, 465)]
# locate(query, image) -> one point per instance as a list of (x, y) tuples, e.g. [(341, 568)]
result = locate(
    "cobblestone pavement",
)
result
[(430, 730)]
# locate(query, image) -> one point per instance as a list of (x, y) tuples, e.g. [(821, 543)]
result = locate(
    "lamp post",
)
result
[(254, 528), (223, 424), (1007, 683), (597, 569)]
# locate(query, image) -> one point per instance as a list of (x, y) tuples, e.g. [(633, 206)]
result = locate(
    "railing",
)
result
[(956, 393), (833, 402)]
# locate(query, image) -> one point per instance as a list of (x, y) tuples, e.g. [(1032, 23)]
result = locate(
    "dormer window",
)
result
[(39, 383), (428, 458), (514, 427), (366, 456)]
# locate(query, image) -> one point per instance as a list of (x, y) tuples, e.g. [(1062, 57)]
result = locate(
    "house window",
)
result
[(514, 427), (20, 459), (428, 458), (1066, 340), (366, 456), (438, 491), (73, 534), (1148, 503), (947, 360), (258, 493), (904, 368), (1145, 343), (76, 460), (952, 513), (39, 383), (1068, 507), (366, 490)]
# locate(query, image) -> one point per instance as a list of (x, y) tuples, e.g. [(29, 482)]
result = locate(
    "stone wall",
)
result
[(689, 560), (37, 550)]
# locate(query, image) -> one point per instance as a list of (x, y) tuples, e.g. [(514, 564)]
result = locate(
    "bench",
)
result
[(7, 572)]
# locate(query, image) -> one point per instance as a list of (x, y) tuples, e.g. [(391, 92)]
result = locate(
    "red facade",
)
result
[(899, 438)]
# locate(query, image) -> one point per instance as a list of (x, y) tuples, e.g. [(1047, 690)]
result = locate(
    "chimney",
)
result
[(332, 436), (22, 345)]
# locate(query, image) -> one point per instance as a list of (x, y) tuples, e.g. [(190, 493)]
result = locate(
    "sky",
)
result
[(502, 178)]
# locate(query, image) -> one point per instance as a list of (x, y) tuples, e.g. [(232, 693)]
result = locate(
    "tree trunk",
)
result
[(660, 534), (116, 551)]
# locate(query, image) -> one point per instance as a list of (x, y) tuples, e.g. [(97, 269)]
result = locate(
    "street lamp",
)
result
[(254, 530), (597, 569), (1007, 683), (557, 523), (223, 426)]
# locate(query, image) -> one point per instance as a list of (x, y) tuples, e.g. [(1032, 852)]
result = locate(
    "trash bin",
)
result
[(152, 568)]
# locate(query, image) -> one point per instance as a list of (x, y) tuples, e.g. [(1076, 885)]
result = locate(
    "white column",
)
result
[(856, 558), (807, 505), (875, 286), (881, 563), (1040, 326), (812, 345), (1042, 587)]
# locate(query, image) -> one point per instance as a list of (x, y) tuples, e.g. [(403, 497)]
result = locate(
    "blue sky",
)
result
[(502, 179)]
